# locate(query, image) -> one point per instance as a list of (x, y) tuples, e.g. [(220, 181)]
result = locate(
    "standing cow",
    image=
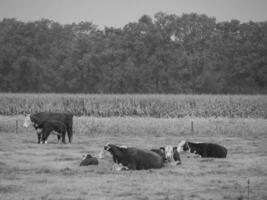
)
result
[(39, 118)]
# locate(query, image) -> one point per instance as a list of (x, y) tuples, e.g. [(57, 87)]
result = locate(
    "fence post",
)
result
[(248, 188), (192, 126), (16, 126)]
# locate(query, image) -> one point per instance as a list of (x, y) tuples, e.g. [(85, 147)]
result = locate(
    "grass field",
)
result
[(32, 171)]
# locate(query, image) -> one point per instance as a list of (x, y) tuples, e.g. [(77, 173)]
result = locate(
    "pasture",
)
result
[(32, 171)]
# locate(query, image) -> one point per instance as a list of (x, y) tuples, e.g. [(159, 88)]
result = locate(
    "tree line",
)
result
[(165, 53)]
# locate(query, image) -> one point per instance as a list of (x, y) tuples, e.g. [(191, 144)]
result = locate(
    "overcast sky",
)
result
[(117, 13)]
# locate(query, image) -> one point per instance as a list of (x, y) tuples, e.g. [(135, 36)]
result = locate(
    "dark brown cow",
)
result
[(134, 158), (38, 118)]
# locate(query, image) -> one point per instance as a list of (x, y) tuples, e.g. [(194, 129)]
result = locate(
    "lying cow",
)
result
[(203, 149), (172, 155), (134, 158), (57, 127), (87, 159), (169, 154), (38, 118)]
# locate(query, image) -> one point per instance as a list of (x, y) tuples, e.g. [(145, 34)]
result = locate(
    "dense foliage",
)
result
[(166, 106), (165, 54)]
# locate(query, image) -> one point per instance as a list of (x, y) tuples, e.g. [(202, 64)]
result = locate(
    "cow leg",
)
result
[(58, 139), (63, 138), (39, 133), (45, 134), (69, 132), (39, 137)]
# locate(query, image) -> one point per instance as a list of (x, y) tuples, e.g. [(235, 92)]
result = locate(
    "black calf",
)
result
[(88, 160), (49, 126)]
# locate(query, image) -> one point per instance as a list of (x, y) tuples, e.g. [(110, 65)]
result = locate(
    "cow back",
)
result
[(145, 159), (216, 151), (41, 117)]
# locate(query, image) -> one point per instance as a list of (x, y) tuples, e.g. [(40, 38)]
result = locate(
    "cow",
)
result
[(87, 159), (172, 155), (169, 154), (38, 118), (205, 150), (48, 126), (134, 158)]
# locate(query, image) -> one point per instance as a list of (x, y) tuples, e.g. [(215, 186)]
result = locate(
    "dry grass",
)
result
[(136, 126), (32, 171)]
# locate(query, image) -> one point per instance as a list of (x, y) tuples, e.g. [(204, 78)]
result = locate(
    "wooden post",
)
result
[(248, 189), (16, 126), (192, 126)]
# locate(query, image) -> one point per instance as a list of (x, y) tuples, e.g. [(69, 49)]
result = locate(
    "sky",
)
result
[(118, 13)]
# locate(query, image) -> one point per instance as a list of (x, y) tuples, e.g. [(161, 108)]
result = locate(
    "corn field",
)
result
[(166, 106)]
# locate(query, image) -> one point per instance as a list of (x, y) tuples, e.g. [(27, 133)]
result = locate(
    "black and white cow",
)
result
[(205, 150), (38, 118), (134, 158), (169, 154), (87, 159)]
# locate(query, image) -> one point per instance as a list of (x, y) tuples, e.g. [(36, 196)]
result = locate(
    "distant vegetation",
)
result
[(165, 54), (138, 105)]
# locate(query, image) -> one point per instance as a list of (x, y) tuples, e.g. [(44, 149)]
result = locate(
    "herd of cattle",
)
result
[(125, 158)]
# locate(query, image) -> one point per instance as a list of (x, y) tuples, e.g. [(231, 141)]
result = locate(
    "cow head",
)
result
[(169, 153), (86, 156), (112, 147), (117, 152), (108, 147), (27, 121), (183, 146)]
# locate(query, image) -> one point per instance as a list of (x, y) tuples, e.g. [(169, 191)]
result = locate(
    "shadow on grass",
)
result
[(66, 159), (2, 164), (9, 189)]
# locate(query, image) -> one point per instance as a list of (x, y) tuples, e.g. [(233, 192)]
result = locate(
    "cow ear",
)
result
[(162, 149), (174, 148)]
